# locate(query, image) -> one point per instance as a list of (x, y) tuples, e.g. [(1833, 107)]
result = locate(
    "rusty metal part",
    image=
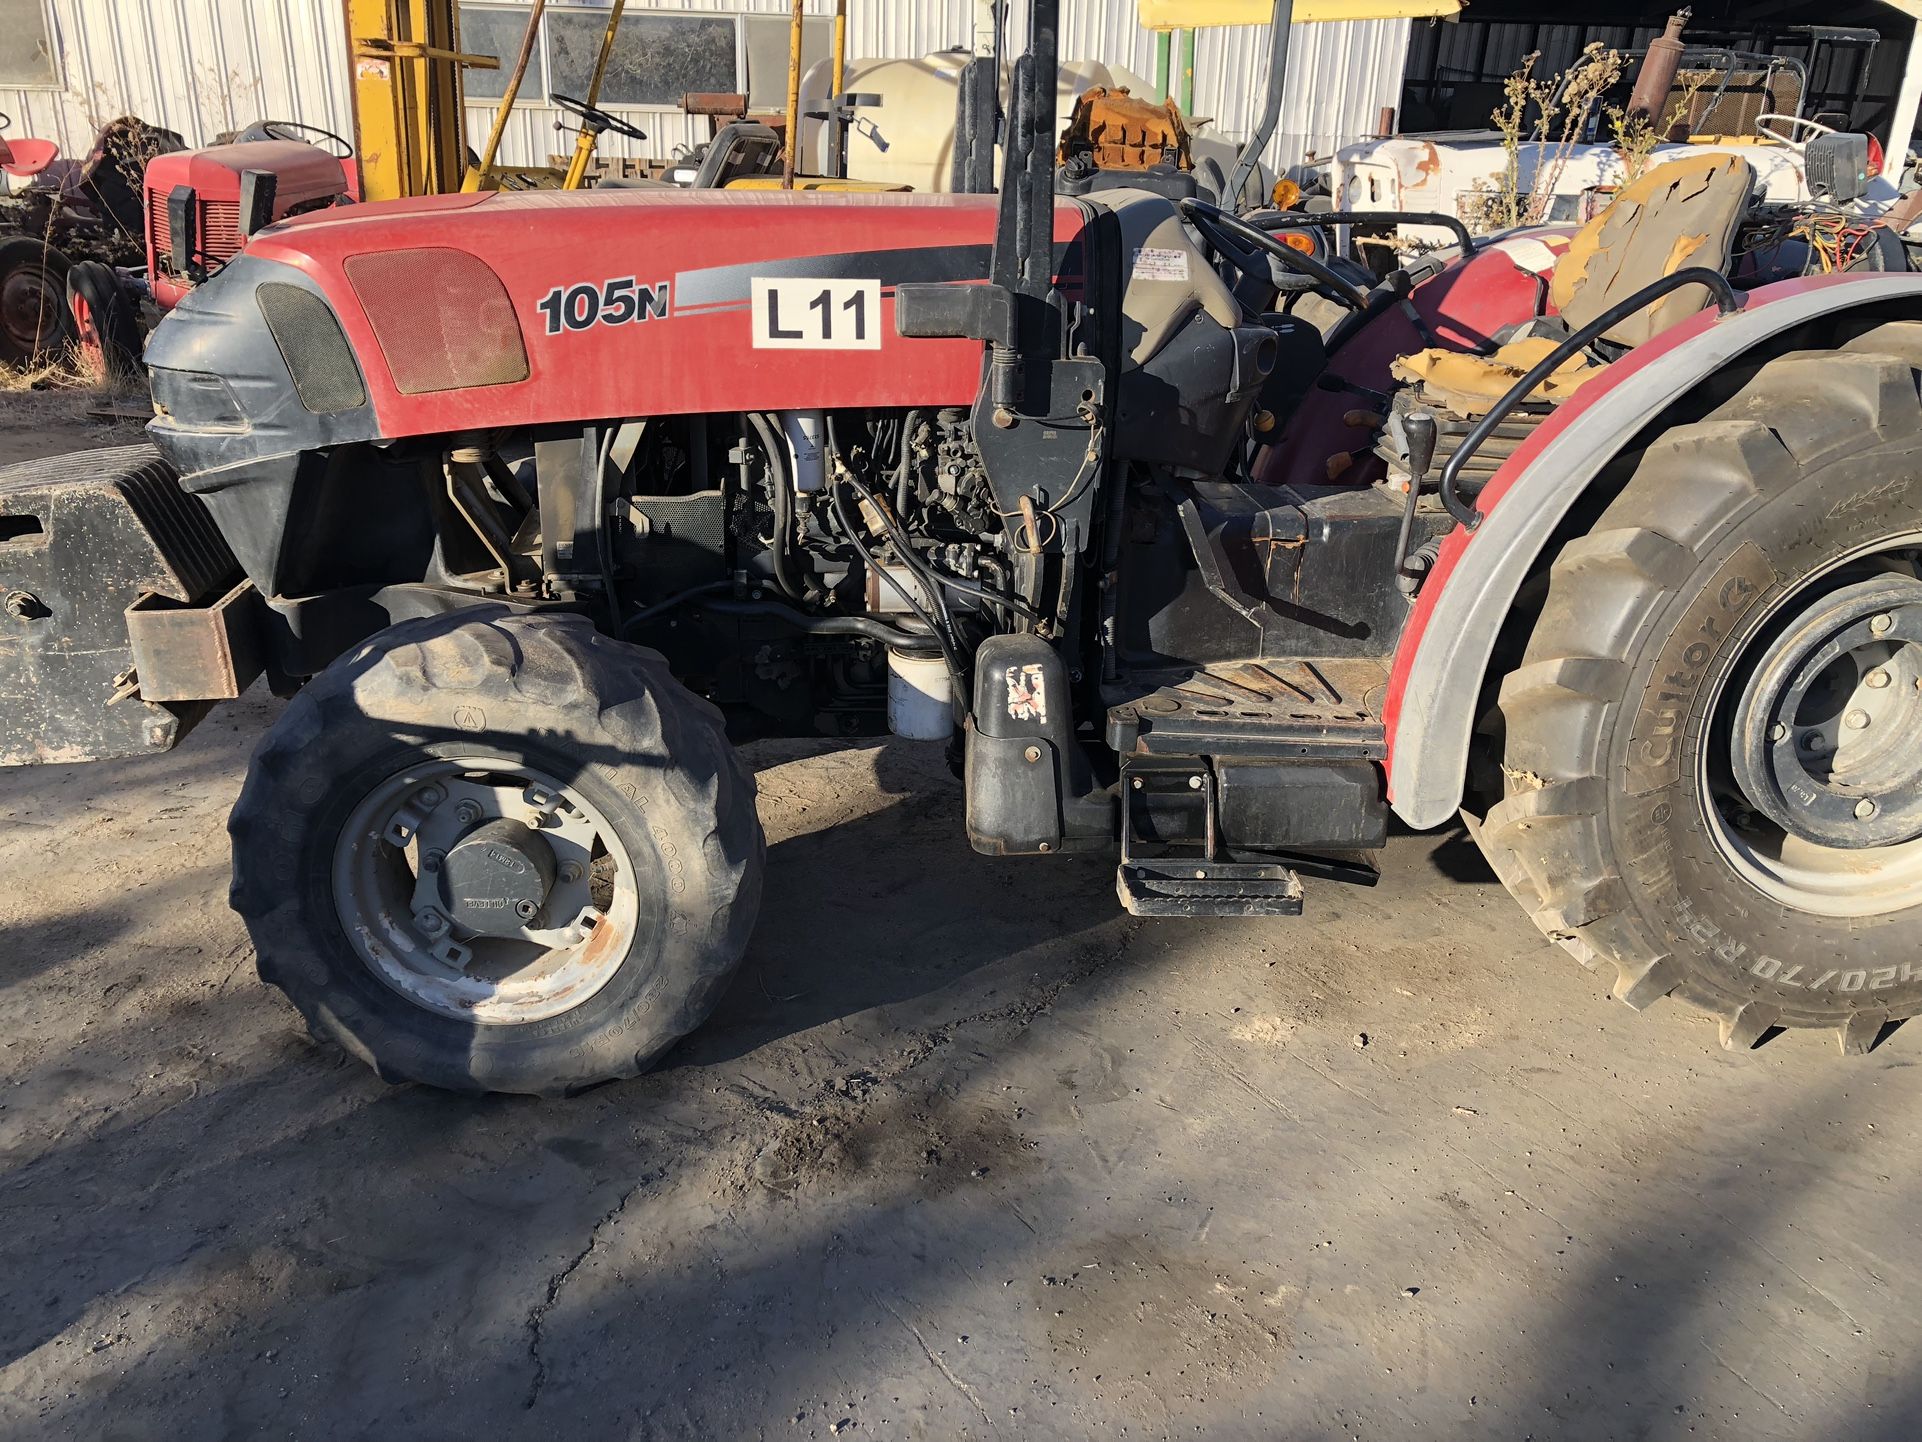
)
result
[(1656, 78), (197, 653), (1119, 132)]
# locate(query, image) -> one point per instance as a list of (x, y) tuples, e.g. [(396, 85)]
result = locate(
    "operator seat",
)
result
[(1680, 214)]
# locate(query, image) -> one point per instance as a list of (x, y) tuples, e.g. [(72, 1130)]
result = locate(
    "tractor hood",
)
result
[(464, 312)]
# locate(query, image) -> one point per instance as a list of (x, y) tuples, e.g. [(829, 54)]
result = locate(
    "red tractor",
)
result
[(123, 235), (536, 504)]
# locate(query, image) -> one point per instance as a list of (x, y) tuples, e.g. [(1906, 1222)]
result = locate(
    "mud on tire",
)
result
[(649, 761), (1614, 831)]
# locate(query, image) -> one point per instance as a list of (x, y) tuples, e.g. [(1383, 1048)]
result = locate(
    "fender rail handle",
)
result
[(1719, 289), (1364, 220)]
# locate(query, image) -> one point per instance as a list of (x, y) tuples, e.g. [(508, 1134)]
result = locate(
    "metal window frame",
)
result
[(55, 83), (738, 18)]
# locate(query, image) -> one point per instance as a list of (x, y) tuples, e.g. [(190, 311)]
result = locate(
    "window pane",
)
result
[(26, 55), (657, 58), (497, 33), (767, 52)]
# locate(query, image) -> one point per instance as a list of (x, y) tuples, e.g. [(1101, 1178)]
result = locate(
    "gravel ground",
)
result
[(964, 1153)]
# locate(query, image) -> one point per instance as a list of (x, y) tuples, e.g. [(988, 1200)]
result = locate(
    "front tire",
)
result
[(101, 315), (498, 852), (1675, 805)]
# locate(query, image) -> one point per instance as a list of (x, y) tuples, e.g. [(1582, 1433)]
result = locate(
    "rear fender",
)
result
[(1442, 661)]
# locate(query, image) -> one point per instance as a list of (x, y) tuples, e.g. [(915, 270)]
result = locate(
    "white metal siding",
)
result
[(205, 66)]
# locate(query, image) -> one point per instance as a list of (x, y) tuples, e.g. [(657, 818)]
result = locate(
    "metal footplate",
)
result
[(1208, 888), (1170, 882)]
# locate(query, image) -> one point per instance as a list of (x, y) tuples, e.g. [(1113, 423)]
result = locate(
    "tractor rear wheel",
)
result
[(1712, 748), (498, 852), (33, 301)]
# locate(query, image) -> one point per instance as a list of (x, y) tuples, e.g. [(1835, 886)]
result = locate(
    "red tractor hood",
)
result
[(507, 309)]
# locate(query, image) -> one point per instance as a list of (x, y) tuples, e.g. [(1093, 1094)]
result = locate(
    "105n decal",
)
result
[(612, 302)]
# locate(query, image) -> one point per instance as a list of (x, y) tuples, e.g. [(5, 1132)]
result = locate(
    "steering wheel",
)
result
[(597, 119), (1233, 237), (1812, 128), (300, 134)]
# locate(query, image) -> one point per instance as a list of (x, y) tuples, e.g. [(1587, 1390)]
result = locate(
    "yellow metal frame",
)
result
[(409, 130), (1201, 14)]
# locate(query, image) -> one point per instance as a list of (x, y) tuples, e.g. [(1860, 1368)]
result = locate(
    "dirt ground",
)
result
[(965, 1153)]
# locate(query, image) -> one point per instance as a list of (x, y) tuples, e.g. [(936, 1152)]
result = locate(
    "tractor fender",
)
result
[(1436, 682)]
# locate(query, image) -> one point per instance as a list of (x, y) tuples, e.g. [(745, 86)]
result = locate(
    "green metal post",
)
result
[(1164, 61), (1187, 100)]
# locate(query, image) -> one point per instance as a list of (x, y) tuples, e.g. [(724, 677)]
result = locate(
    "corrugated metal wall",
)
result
[(204, 66), (196, 66)]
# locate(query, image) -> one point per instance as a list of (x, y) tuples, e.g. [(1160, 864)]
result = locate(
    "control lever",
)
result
[(1420, 432)]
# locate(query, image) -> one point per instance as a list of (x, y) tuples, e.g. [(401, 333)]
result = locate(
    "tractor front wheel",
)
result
[(498, 852), (1712, 748), (101, 315)]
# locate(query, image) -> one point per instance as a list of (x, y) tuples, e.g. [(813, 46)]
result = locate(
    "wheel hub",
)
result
[(1827, 736), (496, 880)]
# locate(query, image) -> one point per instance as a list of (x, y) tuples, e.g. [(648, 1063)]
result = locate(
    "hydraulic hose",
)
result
[(781, 498)]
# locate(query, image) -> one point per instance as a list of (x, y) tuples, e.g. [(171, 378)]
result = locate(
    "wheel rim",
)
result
[(29, 308), (1812, 775), (484, 890)]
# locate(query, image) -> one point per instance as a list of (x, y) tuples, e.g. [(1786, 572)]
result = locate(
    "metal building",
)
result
[(206, 66)]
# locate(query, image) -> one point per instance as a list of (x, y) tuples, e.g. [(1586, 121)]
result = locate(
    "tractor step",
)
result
[(1326, 707), (1160, 876), (1165, 887)]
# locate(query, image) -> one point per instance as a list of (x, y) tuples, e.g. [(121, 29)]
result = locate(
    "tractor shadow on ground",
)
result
[(891, 907)]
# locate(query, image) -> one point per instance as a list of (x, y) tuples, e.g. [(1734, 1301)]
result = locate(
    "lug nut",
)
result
[(1813, 741), (1033, 753), (430, 796), (1856, 720), (1864, 809), (1881, 624), (1876, 680), (571, 871), (431, 861), (468, 812), (1779, 731)]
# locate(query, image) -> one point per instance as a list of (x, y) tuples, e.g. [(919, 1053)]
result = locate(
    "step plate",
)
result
[(1207, 888), (1322, 706)]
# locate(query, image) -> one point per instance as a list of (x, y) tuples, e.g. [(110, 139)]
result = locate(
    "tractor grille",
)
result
[(217, 243)]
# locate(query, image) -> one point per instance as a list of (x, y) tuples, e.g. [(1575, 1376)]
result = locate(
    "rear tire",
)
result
[(331, 854), (33, 301), (1625, 828)]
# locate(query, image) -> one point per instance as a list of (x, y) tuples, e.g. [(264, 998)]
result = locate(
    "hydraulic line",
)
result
[(781, 497)]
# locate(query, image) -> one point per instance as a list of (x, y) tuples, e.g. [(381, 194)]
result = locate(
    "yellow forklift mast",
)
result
[(409, 131)]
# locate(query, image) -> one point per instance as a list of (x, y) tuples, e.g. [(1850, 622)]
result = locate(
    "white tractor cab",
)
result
[(1710, 100)]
